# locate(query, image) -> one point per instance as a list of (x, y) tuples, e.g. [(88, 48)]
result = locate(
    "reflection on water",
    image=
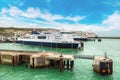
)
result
[(14, 46)]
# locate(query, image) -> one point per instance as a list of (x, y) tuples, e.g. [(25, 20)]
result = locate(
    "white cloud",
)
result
[(113, 21), (75, 19), (110, 24), (37, 13), (29, 18)]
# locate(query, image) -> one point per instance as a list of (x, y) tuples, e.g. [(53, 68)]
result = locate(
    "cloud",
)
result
[(113, 21), (34, 13), (75, 19), (31, 17), (110, 24)]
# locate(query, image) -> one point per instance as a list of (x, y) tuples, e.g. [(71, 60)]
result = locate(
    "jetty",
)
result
[(37, 59), (34, 59)]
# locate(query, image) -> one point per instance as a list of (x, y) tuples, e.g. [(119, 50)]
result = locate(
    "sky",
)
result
[(99, 16)]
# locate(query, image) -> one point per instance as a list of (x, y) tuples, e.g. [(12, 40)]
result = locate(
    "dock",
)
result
[(37, 59), (32, 59)]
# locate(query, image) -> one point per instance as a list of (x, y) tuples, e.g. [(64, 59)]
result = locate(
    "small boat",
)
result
[(52, 39)]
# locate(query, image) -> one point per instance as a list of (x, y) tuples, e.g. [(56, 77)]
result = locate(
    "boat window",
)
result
[(33, 37), (41, 37), (26, 37)]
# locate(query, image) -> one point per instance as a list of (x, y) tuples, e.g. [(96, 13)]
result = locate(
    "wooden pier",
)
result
[(37, 59), (102, 65)]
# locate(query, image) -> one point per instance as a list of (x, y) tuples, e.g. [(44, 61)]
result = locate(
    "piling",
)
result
[(68, 64), (26, 61), (61, 64), (33, 65), (71, 65)]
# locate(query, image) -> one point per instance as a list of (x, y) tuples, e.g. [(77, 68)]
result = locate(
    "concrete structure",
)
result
[(102, 65), (37, 59)]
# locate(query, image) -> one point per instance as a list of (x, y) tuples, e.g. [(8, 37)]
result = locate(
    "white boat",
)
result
[(53, 39)]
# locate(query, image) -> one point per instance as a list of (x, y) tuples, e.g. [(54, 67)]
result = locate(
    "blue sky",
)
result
[(99, 16)]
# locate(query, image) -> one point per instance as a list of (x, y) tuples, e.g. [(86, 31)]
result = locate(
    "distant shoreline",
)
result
[(106, 37), (109, 37), (10, 30)]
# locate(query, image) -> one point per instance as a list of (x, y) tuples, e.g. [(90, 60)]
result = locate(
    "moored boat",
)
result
[(53, 39)]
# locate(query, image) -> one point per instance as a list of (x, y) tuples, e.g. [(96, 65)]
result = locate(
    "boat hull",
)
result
[(81, 39), (51, 44), (84, 39)]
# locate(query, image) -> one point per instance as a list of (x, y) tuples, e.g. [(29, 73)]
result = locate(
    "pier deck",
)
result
[(37, 59), (102, 65)]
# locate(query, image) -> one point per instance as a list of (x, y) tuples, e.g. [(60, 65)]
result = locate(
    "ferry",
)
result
[(53, 39)]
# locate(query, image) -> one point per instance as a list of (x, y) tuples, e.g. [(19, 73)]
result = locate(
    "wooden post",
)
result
[(64, 64), (52, 63), (67, 64), (71, 64), (33, 63), (61, 65), (26, 61), (13, 60)]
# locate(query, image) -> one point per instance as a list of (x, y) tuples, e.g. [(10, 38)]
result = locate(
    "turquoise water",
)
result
[(82, 68)]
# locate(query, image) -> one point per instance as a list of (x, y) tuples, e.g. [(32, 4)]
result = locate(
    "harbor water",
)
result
[(82, 67)]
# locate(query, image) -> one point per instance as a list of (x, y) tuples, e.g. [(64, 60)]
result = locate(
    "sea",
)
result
[(82, 67)]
